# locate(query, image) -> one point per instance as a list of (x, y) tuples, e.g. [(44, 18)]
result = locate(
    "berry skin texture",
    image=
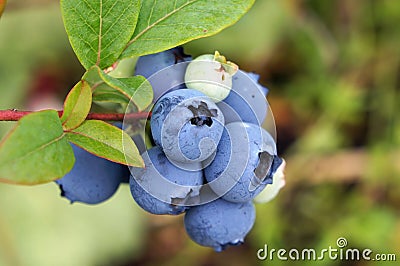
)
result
[(92, 179), (255, 77), (241, 168), (152, 191), (212, 75), (246, 101), (165, 70), (220, 223), (147, 65), (187, 125)]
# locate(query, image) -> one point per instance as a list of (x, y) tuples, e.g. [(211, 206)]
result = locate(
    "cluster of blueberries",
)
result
[(210, 159)]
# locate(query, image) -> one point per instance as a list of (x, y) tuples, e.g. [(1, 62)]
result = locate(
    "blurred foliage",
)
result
[(333, 71)]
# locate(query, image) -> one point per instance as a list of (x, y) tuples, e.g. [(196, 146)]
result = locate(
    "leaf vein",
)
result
[(151, 12), (96, 139), (159, 20), (115, 22), (99, 33), (41, 147)]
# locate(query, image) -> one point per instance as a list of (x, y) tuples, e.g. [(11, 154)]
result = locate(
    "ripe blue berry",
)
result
[(161, 187), (220, 223), (246, 101), (92, 179), (241, 168), (255, 77), (187, 125), (147, 65)]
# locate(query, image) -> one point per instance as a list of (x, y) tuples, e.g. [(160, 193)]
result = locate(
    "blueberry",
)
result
[(161, 187), (168, 79), (165, 70), (147, 65), (241, 167), (219, 223), (187, 125), (212, 75), (255, 77), (246, 101), (92, 179)]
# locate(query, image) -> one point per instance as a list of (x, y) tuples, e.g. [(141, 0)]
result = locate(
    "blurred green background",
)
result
[(333, 70)]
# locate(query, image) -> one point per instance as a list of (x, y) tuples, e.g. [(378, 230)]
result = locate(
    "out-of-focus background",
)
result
[(333, 70)]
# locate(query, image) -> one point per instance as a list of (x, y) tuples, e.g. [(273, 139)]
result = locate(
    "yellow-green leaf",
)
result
[(136, 89), (106, 141), (109, 95), (36, 150), (143, 94), (77, 105)]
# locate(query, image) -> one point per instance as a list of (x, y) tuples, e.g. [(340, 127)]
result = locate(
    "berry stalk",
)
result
[(15, 115)]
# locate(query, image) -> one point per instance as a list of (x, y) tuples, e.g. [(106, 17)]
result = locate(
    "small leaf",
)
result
[(106, 141), (109, 95), (124, 68), (77, 105), (136, 89), (96, 77), (36, 150), (143, 92), (99, 30), (2, 6), (165, 24)]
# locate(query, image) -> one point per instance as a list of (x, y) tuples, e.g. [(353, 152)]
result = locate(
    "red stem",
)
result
[(15, 115)]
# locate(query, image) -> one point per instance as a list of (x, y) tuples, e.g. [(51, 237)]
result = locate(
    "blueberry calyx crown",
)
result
[(202, 114), (226, 66), (264, 165)]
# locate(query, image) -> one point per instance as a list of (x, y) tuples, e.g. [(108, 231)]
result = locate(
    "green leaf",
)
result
[(165, 24), (124, 68), (109, 95), (96, 78), (106, 141), (99, 30), (143, 92), (77, 105), (2, 6), (36, 150), (136, 89)]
